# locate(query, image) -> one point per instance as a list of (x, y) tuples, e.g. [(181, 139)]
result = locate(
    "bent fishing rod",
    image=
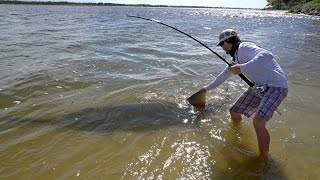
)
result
[(159, 22)]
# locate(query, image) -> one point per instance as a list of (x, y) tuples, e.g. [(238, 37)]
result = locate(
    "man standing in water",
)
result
[(270, 88)]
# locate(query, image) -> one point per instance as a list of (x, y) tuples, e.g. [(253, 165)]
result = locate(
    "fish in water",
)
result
[(117, 117), (198, 99)]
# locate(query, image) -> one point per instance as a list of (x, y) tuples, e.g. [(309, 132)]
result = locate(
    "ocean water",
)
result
[(86, 92)]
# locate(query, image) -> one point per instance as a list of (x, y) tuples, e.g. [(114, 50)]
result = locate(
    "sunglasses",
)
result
[(221, 43)]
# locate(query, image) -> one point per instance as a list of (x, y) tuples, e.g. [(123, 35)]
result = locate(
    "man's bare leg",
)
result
[(263, 137)]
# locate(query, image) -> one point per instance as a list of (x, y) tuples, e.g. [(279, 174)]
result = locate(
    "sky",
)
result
[(209, 3)]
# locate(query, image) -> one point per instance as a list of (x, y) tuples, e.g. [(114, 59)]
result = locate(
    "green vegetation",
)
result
[(308, 4), (310, 7), (284, 4), (288, 4)]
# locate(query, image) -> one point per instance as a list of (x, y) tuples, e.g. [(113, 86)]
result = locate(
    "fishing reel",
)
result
[(262, 89)]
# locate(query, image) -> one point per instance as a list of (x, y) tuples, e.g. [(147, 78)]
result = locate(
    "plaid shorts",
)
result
[(264, 106)]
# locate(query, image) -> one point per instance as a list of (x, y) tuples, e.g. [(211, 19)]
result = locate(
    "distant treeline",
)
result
[(89, 3), (100, 4), (71, 3)]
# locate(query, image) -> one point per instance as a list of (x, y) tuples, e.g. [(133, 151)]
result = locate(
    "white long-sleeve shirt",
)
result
[(257, 64)]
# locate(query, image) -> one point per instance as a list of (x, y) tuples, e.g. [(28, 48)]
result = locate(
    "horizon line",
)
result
[(113, 4)]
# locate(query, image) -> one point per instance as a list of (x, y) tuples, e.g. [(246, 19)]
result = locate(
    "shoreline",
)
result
[(309, 10), (108, 4), (314, 11), (311, 7)]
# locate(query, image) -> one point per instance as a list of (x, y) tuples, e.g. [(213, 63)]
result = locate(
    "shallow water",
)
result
[(87, 92)]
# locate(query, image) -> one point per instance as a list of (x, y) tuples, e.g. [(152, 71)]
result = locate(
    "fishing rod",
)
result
[(159, 22)]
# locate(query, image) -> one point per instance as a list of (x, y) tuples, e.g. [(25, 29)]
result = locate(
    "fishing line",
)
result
[(223, 59), (81, 88), (74, 99)]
